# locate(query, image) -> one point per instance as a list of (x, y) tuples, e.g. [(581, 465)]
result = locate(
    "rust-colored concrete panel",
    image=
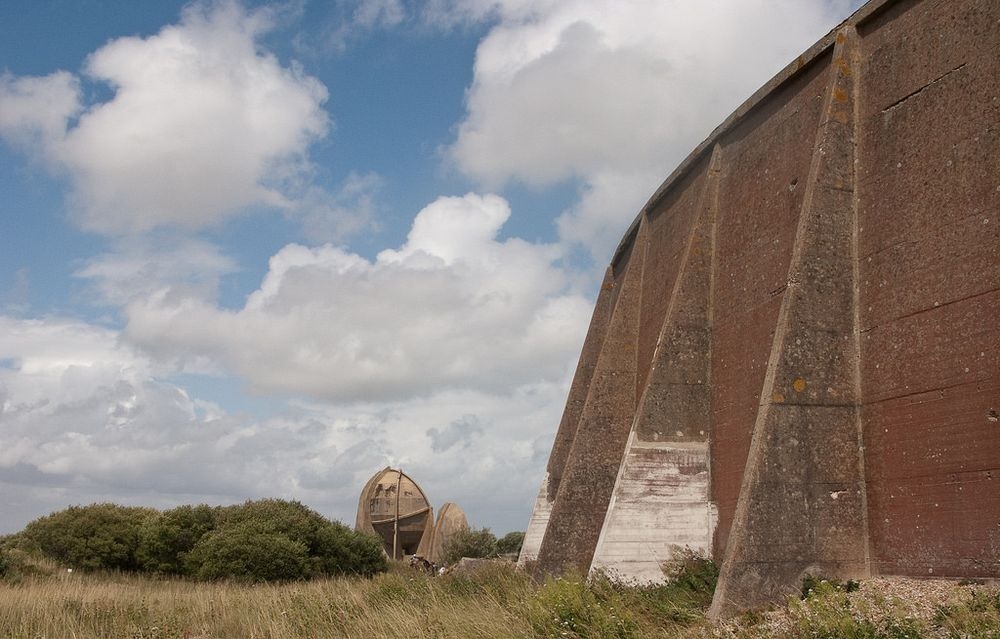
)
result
[(931, 459), (937, 525), (909, 45), (929, 199), (939, 348), (739, 360), (941, 432), (669, 228)]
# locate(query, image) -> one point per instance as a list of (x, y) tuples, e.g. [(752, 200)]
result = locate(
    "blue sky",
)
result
[(267, 249)]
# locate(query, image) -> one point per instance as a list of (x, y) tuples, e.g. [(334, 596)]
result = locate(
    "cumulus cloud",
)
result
[(453, 307), (614, 94), (35, 111), (84, 417), (201, 124)]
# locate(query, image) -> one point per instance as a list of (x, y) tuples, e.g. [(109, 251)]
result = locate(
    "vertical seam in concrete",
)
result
[(713, 177), (643, 224), (854, 59)]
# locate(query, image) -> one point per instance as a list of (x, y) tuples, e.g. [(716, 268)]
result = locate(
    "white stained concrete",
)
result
[(536, 525), (660, 506)]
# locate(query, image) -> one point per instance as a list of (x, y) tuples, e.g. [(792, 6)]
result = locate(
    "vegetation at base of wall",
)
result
[(497, 602), (264, 540)]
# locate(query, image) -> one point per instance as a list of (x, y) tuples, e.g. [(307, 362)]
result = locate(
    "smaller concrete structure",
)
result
[(394, 507), (450, 520)]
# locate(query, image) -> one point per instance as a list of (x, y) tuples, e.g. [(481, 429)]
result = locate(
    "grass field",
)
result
[(499, 602)]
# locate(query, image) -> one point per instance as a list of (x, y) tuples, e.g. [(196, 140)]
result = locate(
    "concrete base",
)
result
[(660, 508)]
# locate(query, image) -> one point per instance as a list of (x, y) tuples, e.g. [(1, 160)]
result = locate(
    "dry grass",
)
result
[(126, 606), (496, 603), (402, 603)]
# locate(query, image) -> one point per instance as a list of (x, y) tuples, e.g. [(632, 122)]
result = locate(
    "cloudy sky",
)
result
[(257, 250)]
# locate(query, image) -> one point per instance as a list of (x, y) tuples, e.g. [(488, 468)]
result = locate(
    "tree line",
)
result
[(263, 540)]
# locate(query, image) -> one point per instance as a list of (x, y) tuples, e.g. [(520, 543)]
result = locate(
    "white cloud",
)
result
[(379, 13), (615, 93), (333, 216), (202, 123), (85, 418), (454, 307), (34, 111), (168, 266)]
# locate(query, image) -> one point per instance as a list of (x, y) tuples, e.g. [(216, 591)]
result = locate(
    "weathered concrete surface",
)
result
[(850, 400), (451, 520), (605, 421), (661, 499), (395, 508), (802, 507), (660, 506), (536, 525)]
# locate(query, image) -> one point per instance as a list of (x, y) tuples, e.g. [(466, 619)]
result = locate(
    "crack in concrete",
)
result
[(903, 99)]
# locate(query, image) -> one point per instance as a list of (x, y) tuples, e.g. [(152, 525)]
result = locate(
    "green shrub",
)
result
[(245, 552), (289, 518), (332, 548), (477, 543), (810, 583), (264, 540), (510, 544), (338, 550), (166, 538), (692, 572), (94, 537)]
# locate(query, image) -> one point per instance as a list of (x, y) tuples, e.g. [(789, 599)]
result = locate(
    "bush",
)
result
[(263, 540), (246, 552), (166, 538), (288, 518), (94, 537), (510, 544), (475, 543), (332, 548), (339, 550)]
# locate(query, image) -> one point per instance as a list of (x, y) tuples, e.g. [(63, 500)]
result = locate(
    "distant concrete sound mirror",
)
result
[(395, 508)]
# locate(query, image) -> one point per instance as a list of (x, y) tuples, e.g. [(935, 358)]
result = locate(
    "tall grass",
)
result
[(498, 602), (44, 601)]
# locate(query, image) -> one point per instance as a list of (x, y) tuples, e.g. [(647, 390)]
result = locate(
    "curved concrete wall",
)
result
[(793, 363)]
